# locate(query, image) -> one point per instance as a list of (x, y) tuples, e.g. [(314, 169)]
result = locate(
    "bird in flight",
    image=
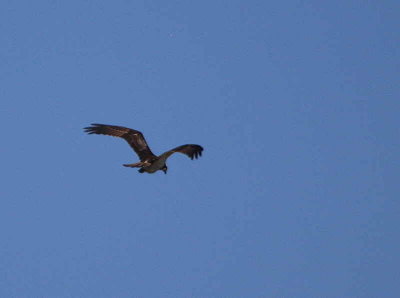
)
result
[(149, 162)]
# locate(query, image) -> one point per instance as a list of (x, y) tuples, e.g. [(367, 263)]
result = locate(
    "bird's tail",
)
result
[(134, 165)]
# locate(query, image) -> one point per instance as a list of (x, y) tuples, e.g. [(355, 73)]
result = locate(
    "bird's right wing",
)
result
[(191, 150), (134, 137)]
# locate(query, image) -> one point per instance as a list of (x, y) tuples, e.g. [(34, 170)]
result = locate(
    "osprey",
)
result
[(149, 162)]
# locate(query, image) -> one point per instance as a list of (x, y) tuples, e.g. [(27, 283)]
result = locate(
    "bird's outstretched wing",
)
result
[(134, 138), (191, 150)]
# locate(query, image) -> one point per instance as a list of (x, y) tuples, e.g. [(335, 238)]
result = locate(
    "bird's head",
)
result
[(165, 169)]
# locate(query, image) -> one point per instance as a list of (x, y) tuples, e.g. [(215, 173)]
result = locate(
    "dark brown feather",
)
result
[(191, 150), (134, 137)]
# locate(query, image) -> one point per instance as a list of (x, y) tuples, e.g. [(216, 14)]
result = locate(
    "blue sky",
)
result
[(295, 102)]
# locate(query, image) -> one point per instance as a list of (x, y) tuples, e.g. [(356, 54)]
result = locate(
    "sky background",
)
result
[(295, 102)]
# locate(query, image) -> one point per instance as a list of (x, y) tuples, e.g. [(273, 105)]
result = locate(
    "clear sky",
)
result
[(295, 102)]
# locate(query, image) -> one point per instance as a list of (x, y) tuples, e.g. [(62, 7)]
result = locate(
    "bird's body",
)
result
[(154, 165), (149, 162)]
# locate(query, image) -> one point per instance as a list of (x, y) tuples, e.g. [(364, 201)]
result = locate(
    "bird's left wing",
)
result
[(134, 137)]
